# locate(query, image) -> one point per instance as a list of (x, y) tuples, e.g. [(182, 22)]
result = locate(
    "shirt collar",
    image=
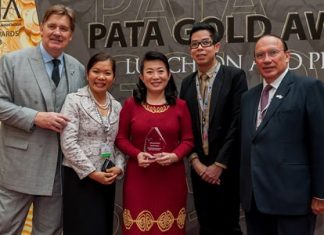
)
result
[(212, 71), (47, 57), (276, 83)]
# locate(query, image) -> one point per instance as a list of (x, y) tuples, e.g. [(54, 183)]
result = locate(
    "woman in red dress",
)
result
[(155, 132)]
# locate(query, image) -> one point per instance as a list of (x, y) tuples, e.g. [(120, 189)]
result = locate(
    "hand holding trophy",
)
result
[(154, 145), (166, 159), (145, 159)]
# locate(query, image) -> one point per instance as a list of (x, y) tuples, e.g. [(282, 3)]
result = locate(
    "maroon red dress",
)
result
[(154, 197)]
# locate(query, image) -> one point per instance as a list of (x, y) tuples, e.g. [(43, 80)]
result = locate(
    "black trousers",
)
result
[(217, 207), (259, 223), (88, 207)]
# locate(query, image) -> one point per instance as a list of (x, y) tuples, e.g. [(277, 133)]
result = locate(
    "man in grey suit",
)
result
[(30, 102), (282, 164)]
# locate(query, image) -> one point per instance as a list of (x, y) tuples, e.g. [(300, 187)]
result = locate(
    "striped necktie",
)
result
[(265, 99)]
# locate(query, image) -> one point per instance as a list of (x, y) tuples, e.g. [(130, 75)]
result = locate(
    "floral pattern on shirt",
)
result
[(82, 137)]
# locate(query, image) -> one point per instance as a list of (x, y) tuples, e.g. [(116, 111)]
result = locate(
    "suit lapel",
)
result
[(88, 105), (277, 100), (70, 74), (215, 94), (193, 102), (253, 107), (42, 79)]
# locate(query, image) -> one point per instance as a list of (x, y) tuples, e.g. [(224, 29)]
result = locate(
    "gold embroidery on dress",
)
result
[(165, 221), (156, 108), (128, 222), (181, 218), (145, 220)]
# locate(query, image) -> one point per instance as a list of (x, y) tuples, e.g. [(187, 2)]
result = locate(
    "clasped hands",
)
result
[(164, 159), (210, 174), (107, 177), (317, 206)]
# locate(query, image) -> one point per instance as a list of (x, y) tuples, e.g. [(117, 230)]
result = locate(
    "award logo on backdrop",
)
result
[(19, 26)]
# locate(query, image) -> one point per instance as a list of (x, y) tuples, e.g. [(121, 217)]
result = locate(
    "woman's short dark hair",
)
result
[(198, 26), (170, 91), (101, 56)]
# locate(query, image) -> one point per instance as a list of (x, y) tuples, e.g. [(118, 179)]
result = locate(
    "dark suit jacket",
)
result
[(223, 134), (282, 161)]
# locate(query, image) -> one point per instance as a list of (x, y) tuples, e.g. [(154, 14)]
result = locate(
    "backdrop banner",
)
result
[(129, 28)]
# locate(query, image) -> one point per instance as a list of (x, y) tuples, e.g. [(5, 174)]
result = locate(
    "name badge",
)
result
[(105, 150)]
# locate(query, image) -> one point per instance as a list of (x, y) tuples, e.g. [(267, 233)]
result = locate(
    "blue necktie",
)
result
[(56, 72)]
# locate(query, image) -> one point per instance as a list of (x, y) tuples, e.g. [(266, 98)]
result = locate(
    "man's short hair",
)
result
[(205, 26), (62, 10)]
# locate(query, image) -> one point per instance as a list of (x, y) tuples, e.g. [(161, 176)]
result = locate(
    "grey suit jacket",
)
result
[(28, 154)]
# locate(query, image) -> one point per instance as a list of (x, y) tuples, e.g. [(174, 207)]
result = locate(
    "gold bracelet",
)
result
[(191, 158), (220, 165)]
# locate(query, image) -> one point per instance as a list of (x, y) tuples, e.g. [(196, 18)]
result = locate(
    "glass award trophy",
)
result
[(154, 141)]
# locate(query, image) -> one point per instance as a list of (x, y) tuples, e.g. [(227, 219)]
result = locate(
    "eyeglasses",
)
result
[(271, 53), (203, 43)]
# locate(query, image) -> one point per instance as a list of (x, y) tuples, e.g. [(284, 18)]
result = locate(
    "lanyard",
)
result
[(203, 103)]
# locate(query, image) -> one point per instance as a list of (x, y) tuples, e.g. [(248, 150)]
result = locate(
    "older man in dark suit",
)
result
[(213, 96), (282, 165), (33, 86)]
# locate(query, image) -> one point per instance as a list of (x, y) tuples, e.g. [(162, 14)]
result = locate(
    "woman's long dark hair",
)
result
[(170, 90)]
